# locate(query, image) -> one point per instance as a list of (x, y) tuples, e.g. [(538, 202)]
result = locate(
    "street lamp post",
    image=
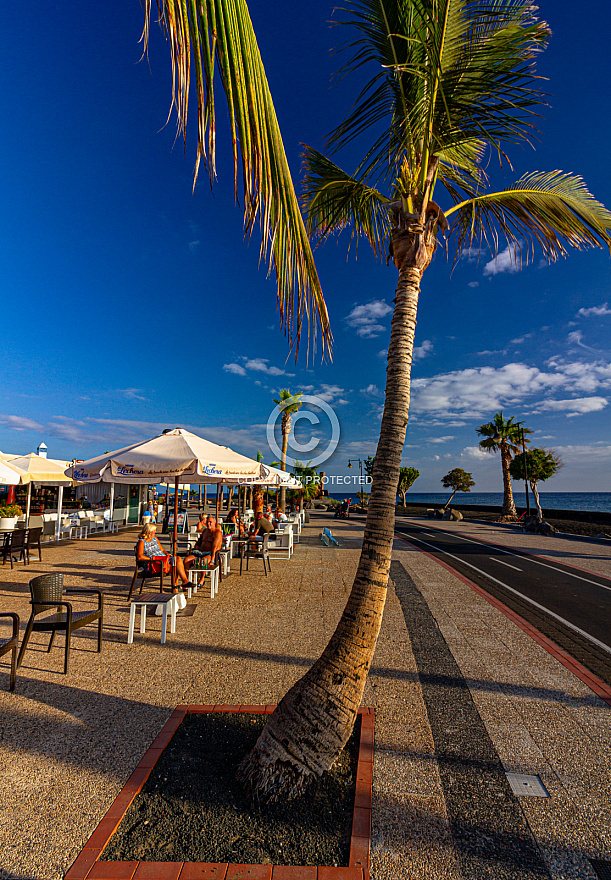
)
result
[(521, 425), (350, 460)]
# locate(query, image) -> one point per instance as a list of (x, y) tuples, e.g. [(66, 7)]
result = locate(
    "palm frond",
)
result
[(333, 200), (203, 34), (552, 209), (460, 170), (446, 72)]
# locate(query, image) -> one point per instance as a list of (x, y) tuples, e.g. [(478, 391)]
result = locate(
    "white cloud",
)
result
[(480, 392), (519, 339), (575, 338), (421, 351), (383, 353), (194, 246), (372, 391), (507, 261), (475, 452), (600, 451), (366, 317), (473, 284), (132, 393), (595, 311), (235, 368), (255, 365), (330, 393), (19, 423), (442, 439), (575, 406), (469, 254), (261, 365)]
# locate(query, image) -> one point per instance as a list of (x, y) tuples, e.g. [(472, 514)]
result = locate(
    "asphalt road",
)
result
[(570, 606)]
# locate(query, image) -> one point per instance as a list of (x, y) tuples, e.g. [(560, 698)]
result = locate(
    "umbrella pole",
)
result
[(218, 500), (60, 495), (175, 537), (27, 509)]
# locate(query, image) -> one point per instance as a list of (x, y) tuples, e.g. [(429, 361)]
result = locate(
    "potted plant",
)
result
[(8, 516)]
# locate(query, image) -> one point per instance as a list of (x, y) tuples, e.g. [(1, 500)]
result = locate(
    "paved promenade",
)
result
[(461, 694)]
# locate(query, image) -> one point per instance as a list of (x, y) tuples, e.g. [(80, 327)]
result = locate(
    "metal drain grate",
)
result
[(601, 869), (523, 785)]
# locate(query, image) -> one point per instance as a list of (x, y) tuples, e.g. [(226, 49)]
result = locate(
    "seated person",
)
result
[(280, 516), (148, 548), (263, 527), (233, 517), (202, 523), (208, 544)]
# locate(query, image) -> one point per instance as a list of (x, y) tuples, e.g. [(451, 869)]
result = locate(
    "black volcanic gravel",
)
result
[(192, 809)]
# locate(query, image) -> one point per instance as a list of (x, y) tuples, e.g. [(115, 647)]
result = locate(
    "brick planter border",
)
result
[(88, 867)]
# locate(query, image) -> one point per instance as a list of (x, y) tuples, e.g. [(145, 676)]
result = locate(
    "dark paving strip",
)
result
[(490, 833), (596, 659), (602, 869)]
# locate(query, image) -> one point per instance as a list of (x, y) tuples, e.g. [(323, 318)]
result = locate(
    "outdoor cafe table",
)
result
[(169, 601)]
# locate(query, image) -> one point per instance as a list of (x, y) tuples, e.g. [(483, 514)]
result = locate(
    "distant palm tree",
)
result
[(289, 404), (452, 84), (505, 436), (216, 37)]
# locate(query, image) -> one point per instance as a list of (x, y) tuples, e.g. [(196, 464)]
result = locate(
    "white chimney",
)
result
[(42, 450)]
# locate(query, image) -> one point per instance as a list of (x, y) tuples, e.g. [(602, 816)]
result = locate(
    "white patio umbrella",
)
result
[(178, 455), (277, 477), (43, 472), (10, 476), (8, 456)]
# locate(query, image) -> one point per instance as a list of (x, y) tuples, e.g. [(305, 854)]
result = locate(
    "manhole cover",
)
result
[(602, 869), (524, 785)]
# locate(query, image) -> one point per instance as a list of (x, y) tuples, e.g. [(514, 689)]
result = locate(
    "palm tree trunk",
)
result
[(314, 720), (257, 502), (509, 506), (286, 430), (535, 492)]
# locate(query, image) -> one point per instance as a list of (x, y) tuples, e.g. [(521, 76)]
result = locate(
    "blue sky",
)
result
[(131, 304)]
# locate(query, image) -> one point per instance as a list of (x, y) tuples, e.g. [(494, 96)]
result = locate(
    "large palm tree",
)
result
[(288, 404), (452, 81), (504, 436), (211, 36)]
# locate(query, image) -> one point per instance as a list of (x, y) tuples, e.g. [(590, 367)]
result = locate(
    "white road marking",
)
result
[(517, 593), (530, 557), (500, 561)]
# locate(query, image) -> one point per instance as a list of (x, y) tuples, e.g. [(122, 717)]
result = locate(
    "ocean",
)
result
[(593, 501)]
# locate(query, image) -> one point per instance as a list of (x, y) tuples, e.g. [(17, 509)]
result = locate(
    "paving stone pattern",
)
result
[(68, 743)]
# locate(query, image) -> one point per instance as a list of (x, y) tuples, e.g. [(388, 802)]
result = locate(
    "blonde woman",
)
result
[(148, 549)]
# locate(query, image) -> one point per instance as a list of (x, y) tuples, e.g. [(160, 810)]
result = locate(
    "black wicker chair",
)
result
[(259, 551), (142, 574), (11, 645), (32, 541), (14, 547), (47, 591)]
